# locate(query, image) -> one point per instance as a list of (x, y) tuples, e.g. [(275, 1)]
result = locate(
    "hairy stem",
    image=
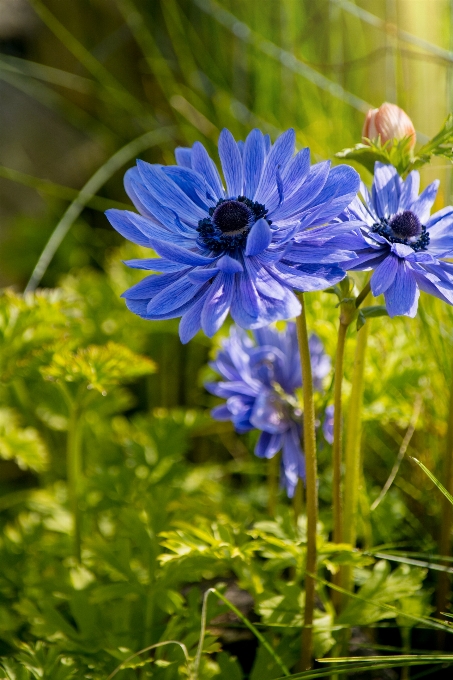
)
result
[(352, 449), (443, 585), (311, 487), (74, 469), (337, 447)]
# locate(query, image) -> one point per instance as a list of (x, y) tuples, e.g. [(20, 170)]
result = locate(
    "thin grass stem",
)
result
[(443, 585), (337, 446), (100, 177), (74, 471), (352, 449), (311, 487)]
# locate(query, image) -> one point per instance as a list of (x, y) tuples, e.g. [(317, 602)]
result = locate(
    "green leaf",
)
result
[(98, 367), (24, 445), (382, 587)]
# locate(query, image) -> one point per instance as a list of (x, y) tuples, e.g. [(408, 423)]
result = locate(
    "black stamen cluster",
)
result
[(227, 227), (401, 229)]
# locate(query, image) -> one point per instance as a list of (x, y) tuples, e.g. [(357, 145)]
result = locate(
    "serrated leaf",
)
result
[(24, 445), (98, 367)]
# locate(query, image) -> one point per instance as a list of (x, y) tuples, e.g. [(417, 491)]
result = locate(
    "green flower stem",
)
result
[(443, 585), (74, 469), (352, 450), (362, 295), (337, 448), (311, 487)]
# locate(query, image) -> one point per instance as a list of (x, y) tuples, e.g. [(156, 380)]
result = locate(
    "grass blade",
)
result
[(114, 163)]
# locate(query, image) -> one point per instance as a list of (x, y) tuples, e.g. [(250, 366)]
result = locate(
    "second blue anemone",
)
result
[(260, 378)]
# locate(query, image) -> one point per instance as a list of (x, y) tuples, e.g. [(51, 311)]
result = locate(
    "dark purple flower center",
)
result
[(227, 227), (406, 225), (231, 217), (404, 228)]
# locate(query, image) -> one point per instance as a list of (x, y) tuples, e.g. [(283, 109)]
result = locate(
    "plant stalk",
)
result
[(311, 487), (443, 585), (74, 470), (352, 475), (337, 449)]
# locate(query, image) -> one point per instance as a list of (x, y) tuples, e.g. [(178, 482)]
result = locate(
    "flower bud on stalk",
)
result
[(389, 122)]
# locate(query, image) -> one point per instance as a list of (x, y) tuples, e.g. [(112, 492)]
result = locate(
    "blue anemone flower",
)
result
[(224, 249), (261, 376), (401, 241)]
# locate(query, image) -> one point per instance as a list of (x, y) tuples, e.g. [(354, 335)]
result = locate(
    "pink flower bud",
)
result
[(389, 122)]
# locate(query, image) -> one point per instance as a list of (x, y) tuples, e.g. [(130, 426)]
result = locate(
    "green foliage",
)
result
[(24, 445), (97, 367)]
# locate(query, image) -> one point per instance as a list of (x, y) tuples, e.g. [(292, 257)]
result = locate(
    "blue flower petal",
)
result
[(202, 275), (409, 191), (162, 216), (151, 286), (384, 275), (230, 158), (155, 264), (173, 252), (401, 298), (193, 184), (221, 412), (296, 204), (190, 322), (429, 283), (131, 177), (203, 163), (254, 155), (169, 194), (217, 304), (120, 221), (422, 206), (268, 445), (183, 156), (229, 265), (296, 172), (259, 238), (278, 158), (339, 190), (293, 463), (173, 296), (308, 277), (386, 189), (245, 303)]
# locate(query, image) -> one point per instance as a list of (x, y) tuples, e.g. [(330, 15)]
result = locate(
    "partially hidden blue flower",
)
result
[(400, 241), (224, 249), (260, 378)]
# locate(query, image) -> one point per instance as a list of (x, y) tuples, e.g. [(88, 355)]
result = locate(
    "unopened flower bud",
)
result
[(388, 122)]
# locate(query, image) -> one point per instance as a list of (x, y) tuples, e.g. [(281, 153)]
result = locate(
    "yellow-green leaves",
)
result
[(23, 445), (29, 327), (98, 367)]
